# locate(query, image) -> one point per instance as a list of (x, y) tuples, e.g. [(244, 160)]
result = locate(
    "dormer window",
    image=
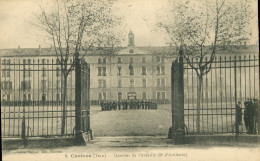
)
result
[(119, 60), (99, 61)]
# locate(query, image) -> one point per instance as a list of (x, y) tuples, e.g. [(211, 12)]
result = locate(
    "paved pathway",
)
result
[(140, 148)]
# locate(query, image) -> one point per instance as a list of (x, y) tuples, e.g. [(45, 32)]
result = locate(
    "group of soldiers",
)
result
[(251, 115), (109, 105)]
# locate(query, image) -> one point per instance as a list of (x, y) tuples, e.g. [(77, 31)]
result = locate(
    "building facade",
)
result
[(131, 73)]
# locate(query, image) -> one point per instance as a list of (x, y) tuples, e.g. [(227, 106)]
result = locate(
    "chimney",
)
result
[(40, 48), (19, 49)]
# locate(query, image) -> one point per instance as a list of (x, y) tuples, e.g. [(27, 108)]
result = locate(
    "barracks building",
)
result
[(130, 73)]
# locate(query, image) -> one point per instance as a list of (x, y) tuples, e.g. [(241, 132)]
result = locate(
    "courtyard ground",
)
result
[(116, 122)]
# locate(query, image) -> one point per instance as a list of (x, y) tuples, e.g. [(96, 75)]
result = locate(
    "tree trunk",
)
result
[(199, 96), (64, 105)]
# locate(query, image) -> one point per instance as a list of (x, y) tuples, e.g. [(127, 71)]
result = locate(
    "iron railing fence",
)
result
[(32, 89), (219, 95)]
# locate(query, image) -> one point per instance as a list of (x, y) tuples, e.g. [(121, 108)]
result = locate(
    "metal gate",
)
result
[(232, 80), (82, 104)]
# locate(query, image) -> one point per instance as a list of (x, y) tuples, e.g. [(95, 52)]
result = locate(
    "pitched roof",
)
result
[(155, 50)]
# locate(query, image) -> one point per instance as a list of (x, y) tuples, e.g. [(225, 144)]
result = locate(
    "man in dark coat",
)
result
[(142, 104), (119, 104), (238, 113), (249, 115)]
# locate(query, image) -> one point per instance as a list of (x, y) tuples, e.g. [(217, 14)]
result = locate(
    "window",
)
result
[(131, 70), (143, 60), (9, 85), (131, 60), (44, 97), (58, 97), (99, 71), (158, 82), (158, 70), (43, 84), (143, 70), (99, 83), (163, 95), (104, 60), (29, 61), (131, 83), (43, 72), (119, 60), (104, 96), (99, 96), (158, 59), (119, 84), (118, 70), (5, 72), (163, 70), (102, 84), (104, 71), (144, 83), (119, 96), (29, 97), (24, 97), (163, 83), (28, 72), (58, 84), (57, 71), (158, 95), (99, 61), (6, 85), (8, 96), (144, 95), (25, 85), (43, 61)]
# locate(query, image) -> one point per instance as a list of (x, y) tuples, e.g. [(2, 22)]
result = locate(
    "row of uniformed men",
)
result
[(127, 104)]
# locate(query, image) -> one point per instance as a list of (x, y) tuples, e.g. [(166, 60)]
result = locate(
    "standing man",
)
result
[(238, 114), (102, 106), (119, 104), (142, 104), (146, 104)]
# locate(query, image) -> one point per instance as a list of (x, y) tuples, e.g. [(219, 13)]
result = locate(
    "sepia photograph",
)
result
[(101, 80)]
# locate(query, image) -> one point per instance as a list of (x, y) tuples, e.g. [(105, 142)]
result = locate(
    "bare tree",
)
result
[(200, 28), (76, 28)]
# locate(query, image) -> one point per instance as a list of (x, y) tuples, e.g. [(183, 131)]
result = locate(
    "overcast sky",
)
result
[(15, 28)]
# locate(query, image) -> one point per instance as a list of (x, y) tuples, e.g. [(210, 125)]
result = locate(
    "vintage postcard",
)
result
[(129, 80)]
